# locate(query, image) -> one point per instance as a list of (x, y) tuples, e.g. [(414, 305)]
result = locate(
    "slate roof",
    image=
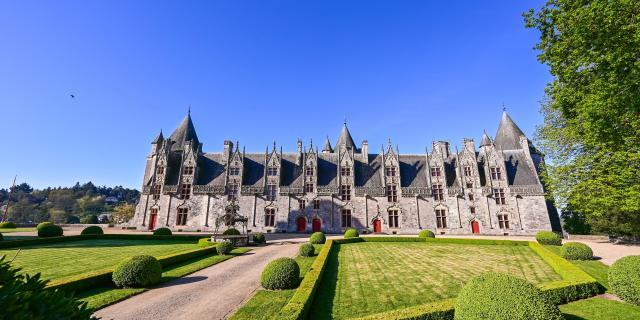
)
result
[(508, 135), (368, 175), (185, 132), (253, 173), (211, 169), (327, 169), (291, 173), (346, 139), (413, 171), (519, 171)]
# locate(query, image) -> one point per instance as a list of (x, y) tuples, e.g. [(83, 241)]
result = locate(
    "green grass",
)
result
[(63, 259), (600, 309), (266, 304), (4, 230), (594, 268), (102, 297), (367, 278)]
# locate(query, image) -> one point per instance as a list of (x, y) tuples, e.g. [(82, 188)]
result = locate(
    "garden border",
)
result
[(575, 284), (6, 244)]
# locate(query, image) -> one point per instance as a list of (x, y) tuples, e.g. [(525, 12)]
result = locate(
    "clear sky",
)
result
[(253, 71)]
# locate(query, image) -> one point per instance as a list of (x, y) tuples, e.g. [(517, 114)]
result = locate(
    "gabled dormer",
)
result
[(346, 172), (310, 170), (437, 172), (273, 166), (234, 170), (468, 166), (391, 169), (492, 160)]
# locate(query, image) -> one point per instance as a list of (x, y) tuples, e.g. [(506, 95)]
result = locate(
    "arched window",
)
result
[(269, 217), (441, 218)]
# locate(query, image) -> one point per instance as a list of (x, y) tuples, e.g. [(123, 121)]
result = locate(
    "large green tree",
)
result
[(591, 129)]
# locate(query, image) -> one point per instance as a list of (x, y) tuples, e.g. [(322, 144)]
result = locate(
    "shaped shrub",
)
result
[(576, 251), (231, 232), (500, 296), (162, 232), (624, 279), (306, 250), (43, 224), (259, 238), (7, 225), (318, 238), (92, 230), (50, 230), (280, 274), (426, 234), (137, 272), (548, 238), (351, 233), (206, 242), (224, 247)]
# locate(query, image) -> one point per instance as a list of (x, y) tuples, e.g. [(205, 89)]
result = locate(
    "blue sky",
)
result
[(253, 71)]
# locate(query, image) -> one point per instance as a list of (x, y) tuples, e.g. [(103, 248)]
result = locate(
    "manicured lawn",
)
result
[(266, 304), (600, 309), (102, 297), (3, 230), (595, 268), (367, 278), (63, 259)]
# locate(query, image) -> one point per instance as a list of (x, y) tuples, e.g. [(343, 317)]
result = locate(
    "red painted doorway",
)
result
[(153, 219), (317, 225), (377, 226), (302, 224), (475, 226)]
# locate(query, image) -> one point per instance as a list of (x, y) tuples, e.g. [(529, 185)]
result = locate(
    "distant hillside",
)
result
[(80, 203)]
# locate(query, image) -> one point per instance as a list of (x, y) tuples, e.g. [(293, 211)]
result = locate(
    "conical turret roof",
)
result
[(159, 138), (508, 135), (327, 146), (346, 139), (185, 132), (486, 141)]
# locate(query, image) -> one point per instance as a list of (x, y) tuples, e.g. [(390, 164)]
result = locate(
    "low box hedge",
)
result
[(478, 241), (36, 241), (392, 239), (439, 310)]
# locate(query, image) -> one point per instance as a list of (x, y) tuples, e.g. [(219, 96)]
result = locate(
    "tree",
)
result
[(123, 213), (591, 129)]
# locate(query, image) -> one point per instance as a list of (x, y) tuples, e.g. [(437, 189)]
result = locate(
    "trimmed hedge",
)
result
[(8, 225), (501, 296), (1, 237), (162, 232), (624, 278), (206, 242), (426, 234), (231, 232), (439, 310), (37, 241), (549, 238), (478, 241), (137, 272), (43, 224), (259, 238), (50, 230), (92, 230), (318, 238), (224, 247), (576, 251), (280, 274), (391, 239), (351, 233), (306, 250)]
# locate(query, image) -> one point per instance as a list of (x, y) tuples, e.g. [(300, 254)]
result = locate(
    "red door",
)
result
[(316, 225), (152, 221), (302, 224), (475, 226), (377, 226)]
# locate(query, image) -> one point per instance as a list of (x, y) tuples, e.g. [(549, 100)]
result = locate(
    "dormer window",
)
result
[(271, 192), (392, 193), (234, 171), (272, 171), (308, 187), (155, 190), (185, 191), (390, 171), (436, 172), (160, 170), (467, 171), (469, 185), (309, 171), (496, 173), (345, 192), (188, 171), (232, 191), (345, 171), (438, 192)]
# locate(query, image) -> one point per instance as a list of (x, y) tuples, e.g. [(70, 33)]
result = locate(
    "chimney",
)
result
[(228, 148), (364, 149)]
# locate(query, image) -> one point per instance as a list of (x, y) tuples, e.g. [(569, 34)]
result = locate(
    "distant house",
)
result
[(112, 200)]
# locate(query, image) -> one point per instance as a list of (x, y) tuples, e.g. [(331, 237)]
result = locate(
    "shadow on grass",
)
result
[(572, 317), (322, 306)]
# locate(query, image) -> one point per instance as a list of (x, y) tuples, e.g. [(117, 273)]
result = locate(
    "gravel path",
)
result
[(211, 293)]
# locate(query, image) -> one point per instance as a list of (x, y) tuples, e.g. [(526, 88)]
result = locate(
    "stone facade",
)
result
[(494, 189)]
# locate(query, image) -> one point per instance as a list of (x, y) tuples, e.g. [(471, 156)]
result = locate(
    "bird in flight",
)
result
[(72, 95)]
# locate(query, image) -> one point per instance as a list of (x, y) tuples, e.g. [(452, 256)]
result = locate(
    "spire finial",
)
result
[(389, 141), (504, 106), (189, 110), (345, 121), (274, 145)]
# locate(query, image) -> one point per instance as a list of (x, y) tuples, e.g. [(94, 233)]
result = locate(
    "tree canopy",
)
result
[(591, 129)]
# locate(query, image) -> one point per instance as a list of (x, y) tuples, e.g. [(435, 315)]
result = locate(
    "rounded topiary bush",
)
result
[(500, 296), (50, 230), (280, 274), (224, 247), (259, 238), (7, 225), (162, 232), (426, 234), (624, 279), (548, 238), (139, 271), (92, 230), (318, 238), (231, 232), (576, 251), (351, 233), (43, 224), (205, 242), (306, 250)]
